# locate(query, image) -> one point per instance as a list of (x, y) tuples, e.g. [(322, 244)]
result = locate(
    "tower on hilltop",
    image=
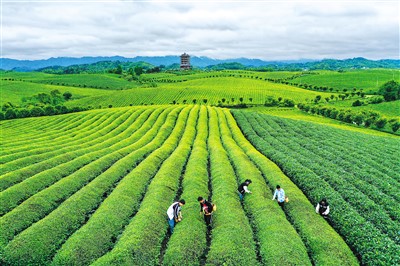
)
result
[(185, 61)]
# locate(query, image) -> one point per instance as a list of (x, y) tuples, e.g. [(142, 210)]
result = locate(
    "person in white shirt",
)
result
[(323, 208), (243, 188), (173, 213), (279, 195)]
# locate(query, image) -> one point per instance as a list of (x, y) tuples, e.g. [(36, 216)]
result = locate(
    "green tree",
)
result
[(381, 122), (138, 70), (61, 109), (118, 70), (358, 119), (10, 114), (288, 103), (49, 110), (67, 95), (43, 98), (357, 103), (390, 91), (395, 126), (23, 113), (37, 111), (7, 105), (271, 101)]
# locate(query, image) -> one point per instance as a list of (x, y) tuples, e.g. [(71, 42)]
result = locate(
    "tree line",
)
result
[(42, 104)]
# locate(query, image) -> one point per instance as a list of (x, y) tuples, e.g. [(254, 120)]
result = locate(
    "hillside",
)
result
[(98, 176), (92, 187), (62, 63)]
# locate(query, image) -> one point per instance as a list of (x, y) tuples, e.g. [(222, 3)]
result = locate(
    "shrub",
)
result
[(395, 126), (357, 103), (10, 114)]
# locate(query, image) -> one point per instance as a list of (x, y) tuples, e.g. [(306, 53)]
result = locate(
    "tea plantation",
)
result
[(93, 187)]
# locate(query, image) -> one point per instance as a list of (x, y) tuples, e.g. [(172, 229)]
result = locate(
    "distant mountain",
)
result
[(26, 65), (202, 62)]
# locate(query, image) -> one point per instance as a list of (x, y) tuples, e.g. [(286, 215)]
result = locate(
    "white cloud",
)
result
[(268, 30)]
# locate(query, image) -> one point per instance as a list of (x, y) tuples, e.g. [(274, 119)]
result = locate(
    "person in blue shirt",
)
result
[(279, 195)]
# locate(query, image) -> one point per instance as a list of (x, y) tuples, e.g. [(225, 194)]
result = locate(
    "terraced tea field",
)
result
[(92, 188), (369, 80), (358, 173)]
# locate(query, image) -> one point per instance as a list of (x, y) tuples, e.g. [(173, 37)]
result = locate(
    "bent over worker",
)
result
[(206, 208), (173, 213)]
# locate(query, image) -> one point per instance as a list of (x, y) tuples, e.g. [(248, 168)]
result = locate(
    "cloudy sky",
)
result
[(269, 30)]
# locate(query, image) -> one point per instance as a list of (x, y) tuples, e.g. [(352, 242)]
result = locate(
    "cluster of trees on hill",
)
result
[(390, 91), (41, 104), (363, 118), (326, 64), (116, 67)]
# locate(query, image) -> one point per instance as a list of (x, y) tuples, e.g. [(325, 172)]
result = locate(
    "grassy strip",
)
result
[(188, 243), (14, 195), (47, 200), (26, 125), (140, 242), (358, 233), (39, 243), (268, 220), (96, 237), (325, 246), (232, 242), (85, 138), (68, 130)]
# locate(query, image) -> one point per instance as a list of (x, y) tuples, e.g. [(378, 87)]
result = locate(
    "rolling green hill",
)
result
[(96, 179), (100, 81), (92, 187), (210, 90), (368, 79)]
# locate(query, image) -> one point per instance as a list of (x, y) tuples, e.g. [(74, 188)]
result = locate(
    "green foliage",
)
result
[(67, 95), (357, 103), (271, 101), (381, 122), (395, 126), (364, 80), (65, 220), (376, 99), (324, 245), (232, 241), (138, 70), (188, 243), (360, 118), (268, 228), (139, 244), (390, 91), (10, 114), (361, 203)]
